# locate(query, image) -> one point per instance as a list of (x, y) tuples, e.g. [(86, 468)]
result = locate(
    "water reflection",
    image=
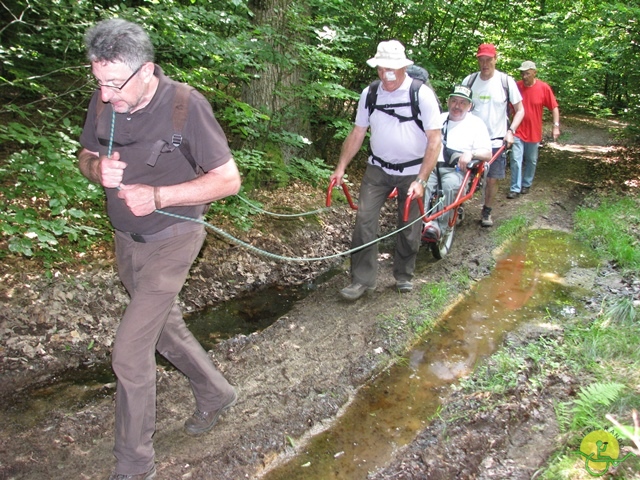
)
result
[(390, 411)]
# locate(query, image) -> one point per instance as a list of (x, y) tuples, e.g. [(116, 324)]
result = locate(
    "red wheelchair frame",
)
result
[(475, 171)]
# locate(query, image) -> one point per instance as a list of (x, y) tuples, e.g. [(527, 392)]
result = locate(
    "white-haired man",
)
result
[(536, 95)]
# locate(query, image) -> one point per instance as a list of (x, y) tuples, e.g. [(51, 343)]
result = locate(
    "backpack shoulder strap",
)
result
[(472, 79), (505, 84), (414, 103), (414, 91), (180, 110), (372, 96), (179, 118)]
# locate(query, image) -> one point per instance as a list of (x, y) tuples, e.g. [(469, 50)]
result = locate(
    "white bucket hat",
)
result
[(390, 55)]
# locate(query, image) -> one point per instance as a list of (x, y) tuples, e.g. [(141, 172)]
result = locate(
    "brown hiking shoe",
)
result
[(201, 422)]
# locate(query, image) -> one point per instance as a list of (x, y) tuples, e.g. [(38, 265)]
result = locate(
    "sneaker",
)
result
[(404, 286), (151, 474), (431, 232), (512, 195), (355, 291), (486, 221), (201, 422), (524, 190)]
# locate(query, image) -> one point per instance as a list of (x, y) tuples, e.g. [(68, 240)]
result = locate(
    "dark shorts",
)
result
[(499, 166)]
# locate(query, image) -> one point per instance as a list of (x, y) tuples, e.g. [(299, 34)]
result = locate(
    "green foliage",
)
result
[(563, 415), (313, 171), (592, 404), (613, 229), (533, 361), (585, 50), (43, 197), (433, 298), (622, 311), (232, 207), (512, 227)]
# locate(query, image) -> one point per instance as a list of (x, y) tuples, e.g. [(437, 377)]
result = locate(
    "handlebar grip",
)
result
[(332, 184), (407, 206)]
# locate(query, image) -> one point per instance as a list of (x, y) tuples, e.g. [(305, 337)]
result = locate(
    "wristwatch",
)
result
[(422, 182), (556, 124)]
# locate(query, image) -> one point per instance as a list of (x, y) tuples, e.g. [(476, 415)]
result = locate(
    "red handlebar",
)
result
[(346, 194), (407, 206)]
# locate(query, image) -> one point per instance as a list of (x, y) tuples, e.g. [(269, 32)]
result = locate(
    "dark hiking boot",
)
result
[(404, 286), (355, 291), (201, 422), (150, 475)]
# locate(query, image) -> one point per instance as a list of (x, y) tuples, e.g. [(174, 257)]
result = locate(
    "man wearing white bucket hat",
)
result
[(404, 147)]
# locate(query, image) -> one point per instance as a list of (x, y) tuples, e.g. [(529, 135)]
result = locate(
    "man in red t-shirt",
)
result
[(536, 95)]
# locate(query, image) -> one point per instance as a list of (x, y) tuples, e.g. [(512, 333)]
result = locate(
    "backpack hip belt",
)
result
[(397, 167)]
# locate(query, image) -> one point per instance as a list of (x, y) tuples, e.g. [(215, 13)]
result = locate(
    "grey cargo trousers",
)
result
[(376, 187)]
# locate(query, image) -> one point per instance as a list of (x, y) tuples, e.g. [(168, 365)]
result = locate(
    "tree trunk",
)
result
[(273, 89)]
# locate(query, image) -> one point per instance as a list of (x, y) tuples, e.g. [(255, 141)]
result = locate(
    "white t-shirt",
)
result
[(489, 103), (468, 134), (394, 141)]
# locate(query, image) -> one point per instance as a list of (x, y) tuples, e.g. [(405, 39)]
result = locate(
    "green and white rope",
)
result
[(282, 215), (257, 250), (275, 256)]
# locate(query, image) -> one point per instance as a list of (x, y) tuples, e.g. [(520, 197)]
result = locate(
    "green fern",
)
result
[(589, 408), (563, 415)]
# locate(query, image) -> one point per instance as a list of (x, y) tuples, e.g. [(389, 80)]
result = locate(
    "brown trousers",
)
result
[(154, 273)]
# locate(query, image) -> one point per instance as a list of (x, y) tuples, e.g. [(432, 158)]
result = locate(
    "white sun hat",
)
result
[(390, 55)]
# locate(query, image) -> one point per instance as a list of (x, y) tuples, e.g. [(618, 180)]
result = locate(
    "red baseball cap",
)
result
[(487, 49)]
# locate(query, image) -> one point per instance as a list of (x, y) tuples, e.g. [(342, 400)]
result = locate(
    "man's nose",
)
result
[(106, 94)]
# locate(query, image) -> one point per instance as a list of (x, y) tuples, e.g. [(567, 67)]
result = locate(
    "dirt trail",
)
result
[(292, 377)]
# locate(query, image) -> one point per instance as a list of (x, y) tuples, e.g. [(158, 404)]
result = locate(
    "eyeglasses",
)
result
[(113, 87)]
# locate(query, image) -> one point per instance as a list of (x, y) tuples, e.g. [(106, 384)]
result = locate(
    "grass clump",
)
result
[(613, 229)]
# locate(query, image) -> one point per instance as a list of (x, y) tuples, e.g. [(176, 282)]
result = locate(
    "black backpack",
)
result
[(420, 77)]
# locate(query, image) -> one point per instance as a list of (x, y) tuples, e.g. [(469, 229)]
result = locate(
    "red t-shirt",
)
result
[(534, 98)]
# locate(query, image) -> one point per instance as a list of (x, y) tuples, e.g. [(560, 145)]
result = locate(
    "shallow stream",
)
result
[(528, 284)]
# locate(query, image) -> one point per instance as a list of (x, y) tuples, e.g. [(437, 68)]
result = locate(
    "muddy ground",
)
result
[(295, 375)]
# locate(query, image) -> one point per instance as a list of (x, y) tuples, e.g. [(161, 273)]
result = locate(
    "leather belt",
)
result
[(169, 232)]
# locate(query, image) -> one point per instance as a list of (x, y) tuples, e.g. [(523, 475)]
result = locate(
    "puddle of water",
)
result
[(70, 391), (244, 315), (390, 412)]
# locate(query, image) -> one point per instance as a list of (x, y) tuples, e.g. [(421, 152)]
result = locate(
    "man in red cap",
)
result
[(492, 91)]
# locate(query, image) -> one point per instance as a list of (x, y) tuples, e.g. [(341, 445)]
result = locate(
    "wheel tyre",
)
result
[(440, 248)]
